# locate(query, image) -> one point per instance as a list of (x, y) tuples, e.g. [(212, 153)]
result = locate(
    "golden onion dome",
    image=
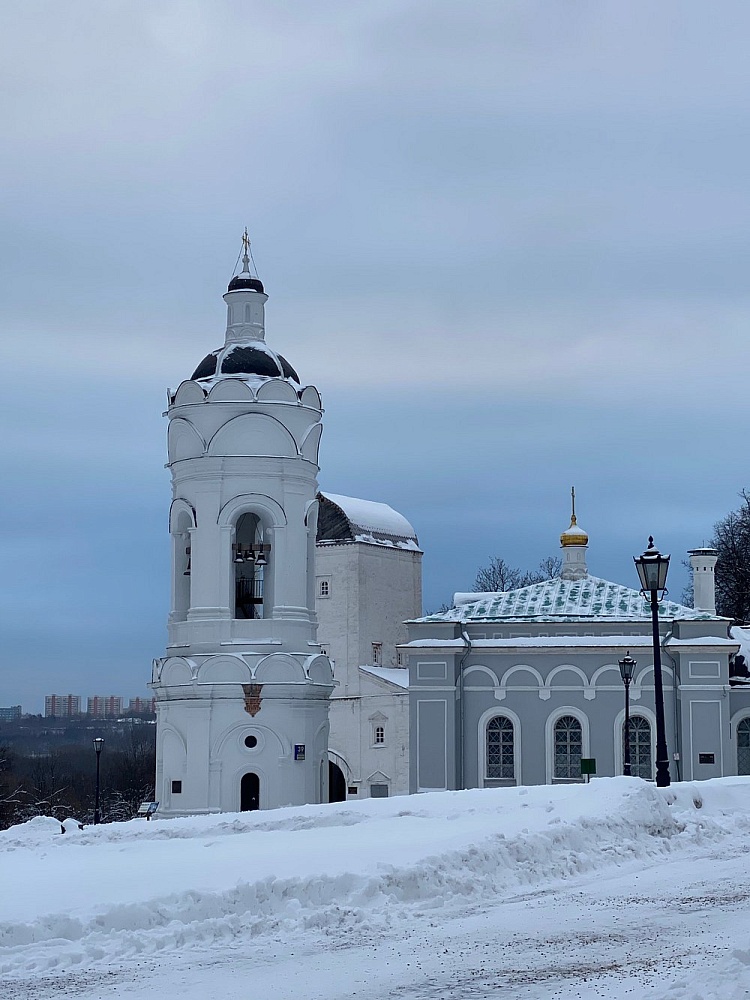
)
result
[(573, 535)]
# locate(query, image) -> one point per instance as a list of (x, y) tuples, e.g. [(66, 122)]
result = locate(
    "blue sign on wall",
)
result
[(299, 751)]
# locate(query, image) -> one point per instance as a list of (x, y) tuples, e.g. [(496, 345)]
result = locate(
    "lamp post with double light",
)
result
[(98, 745), (652, 569), (627, 668)]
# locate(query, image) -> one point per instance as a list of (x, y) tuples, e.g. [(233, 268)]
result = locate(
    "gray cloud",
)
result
[(507, 241)]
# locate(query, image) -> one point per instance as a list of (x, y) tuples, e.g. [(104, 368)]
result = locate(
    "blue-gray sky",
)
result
[(507, 241)]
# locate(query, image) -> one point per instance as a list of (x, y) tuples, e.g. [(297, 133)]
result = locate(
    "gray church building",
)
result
[(517, 687)]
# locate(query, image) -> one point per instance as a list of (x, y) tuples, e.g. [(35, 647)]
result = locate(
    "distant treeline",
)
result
[(44, 774)]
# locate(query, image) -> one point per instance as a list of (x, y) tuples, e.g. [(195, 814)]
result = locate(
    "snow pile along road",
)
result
[(128, 890)]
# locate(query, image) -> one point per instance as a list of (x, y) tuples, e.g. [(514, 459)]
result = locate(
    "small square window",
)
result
[(176, 787), (352, 790), (377, 653), (324, 588), (378, 791)]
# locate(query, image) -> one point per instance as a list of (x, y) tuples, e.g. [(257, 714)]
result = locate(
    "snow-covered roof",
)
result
[(565, 600), (394, 675), (349, 519), (572, 642)]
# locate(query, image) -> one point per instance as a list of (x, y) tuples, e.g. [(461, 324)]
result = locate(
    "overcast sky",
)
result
[(507, 241)]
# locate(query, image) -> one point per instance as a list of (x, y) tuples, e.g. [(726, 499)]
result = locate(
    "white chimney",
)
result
[(703, 562)]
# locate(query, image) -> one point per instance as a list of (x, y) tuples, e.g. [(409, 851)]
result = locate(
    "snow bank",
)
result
[(112, 893)]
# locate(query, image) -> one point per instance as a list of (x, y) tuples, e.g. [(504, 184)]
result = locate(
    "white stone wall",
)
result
[(372, 591)]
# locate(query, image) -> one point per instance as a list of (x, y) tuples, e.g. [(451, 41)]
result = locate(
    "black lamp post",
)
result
[(652, 569), (627, 667), (98, 744)]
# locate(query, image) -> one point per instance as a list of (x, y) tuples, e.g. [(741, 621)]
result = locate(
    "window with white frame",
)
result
[(377, 730), (500, 748), (324, 586), (568, 748), (377, 653), (639, 739), (400, 658)]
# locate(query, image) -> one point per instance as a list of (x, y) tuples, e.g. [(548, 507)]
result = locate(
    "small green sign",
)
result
[(588, 765)]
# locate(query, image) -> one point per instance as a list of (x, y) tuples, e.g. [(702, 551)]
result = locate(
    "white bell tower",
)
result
[(242, 694)]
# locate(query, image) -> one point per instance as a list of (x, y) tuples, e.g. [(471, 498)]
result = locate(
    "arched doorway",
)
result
[(249, 792), (336, 783)]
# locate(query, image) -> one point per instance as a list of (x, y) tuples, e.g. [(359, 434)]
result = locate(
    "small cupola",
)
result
[(574, 542)]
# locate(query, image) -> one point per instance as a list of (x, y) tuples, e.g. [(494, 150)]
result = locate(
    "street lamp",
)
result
[(652, 569), (98, 744), (627, 667)]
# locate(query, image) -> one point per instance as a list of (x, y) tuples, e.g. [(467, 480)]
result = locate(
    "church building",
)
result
[(518, 687), (258, 556), (242, 692)]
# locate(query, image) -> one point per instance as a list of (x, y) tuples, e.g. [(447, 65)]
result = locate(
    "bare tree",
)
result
[(498, 576), (731, 540)]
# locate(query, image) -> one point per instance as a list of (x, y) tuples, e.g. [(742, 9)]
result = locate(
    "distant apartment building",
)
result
[(142, 706), (10, 713), (104, 706), (62, 706)]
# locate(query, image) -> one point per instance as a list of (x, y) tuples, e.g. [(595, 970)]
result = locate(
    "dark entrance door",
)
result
[(336, 783), (250, 792)]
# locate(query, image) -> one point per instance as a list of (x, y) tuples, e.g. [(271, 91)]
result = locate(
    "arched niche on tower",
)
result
[(279, 668), (181, 524), (319, 669), (255, 435), (311, 443), (311, 397), (231, 390), (188, 392), (183, 440), (277, 390), (224, 669)]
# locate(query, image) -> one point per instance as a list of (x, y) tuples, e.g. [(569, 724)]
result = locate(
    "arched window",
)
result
[(500, 749), (743, 746), (250, 557), (640, 747), (379, 735), (568, 748)]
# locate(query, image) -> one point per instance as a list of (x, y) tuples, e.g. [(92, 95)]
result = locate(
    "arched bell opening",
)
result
[(181, 567), (249, 792), (251, 555)]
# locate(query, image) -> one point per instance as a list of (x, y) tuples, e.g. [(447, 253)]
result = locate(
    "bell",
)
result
[(261, 559)]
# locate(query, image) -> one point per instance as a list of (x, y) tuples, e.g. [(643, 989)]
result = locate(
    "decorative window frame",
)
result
[(378, 721), (484, 720), (549, 741), (617, 735)]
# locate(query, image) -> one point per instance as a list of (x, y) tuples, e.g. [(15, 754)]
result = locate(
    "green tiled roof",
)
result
[(566, 600)]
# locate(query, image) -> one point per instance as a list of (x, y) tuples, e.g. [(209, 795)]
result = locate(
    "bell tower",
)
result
[(242, 693)]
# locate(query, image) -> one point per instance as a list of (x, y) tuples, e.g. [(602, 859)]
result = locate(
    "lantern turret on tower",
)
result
[(574, 542), (242, 695)]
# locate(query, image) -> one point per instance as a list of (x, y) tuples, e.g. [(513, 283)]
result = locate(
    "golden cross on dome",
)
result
[(246, 249), (573, 504)]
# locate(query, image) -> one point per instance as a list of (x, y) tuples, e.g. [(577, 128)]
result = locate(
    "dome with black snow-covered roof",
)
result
[(255, 358)]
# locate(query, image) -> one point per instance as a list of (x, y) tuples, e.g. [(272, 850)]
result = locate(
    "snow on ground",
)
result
[(611, 889)]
